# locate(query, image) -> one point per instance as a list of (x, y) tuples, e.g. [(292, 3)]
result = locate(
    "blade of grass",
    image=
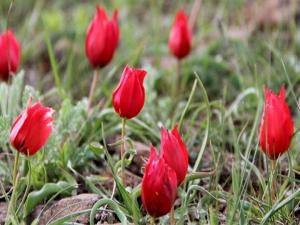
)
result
[(112, 205), (54, 66), (203, 145), (279, 205)]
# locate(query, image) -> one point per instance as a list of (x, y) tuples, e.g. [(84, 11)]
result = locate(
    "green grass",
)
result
[(219, 120)]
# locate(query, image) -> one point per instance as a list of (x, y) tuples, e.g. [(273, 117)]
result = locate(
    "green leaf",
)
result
[(279, 205), (112, 205), (204, 142), (97, 148), (36, 197), (130, 204)]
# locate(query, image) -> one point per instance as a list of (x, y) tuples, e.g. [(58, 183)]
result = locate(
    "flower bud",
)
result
[(174, 152), (102, 38), (276, 128), (180, 37), (159, 186), (10, 53), (129, 96)]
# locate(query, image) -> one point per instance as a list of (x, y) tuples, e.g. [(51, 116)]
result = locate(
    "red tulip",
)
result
[(276, 129), (129, 96), (10, 52), (102, 38), (159, 186), (180, 36), (174, 152), (32, 128)]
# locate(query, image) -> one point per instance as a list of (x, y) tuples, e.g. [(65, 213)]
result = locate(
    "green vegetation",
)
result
[(219, 110)]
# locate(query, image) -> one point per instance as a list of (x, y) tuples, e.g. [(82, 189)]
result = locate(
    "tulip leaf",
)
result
[(97, 148), (15, 93), (255, 171), (279, 205), (130, 204), (112, 205), (11, 95), (204, 142), (187, 104), (36, 197), (64, 219), (198, 175)]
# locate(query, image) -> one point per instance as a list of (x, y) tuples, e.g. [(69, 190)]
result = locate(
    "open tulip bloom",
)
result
[(276, 128), (32, 128), (29, 133)]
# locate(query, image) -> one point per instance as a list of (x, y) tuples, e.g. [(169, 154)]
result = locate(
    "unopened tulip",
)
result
[(129, 96), (10, 52), (174, 152), (32, 128), (276, 129), (159, 186), (180, 37), (102, 38)]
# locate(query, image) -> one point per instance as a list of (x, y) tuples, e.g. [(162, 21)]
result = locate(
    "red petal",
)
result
[(174, 153), (129, 96), (159, 186), (31, 129)]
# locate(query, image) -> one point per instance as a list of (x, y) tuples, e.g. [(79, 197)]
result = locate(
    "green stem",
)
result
[(176, 83), (172, 217), (92, 90), (12, 202), (178, 71), (123, 150), (152, 220), (273, 187), (27, 186)]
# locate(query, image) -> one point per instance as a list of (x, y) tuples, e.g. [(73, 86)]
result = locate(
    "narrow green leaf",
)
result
[(36, 197), (279, 205)]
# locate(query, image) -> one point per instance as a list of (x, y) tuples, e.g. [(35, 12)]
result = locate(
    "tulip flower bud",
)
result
[(180, 36), (102, 38), (159, 186), (174, 152), (129, 96), (276, 128), (31, 129), (10, 52)]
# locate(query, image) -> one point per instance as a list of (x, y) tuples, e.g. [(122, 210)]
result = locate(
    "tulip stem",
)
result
[(172, 217), (152, 220), (178, 71), (92, 90), (12, 202), (273, 187), (123, 150), (176, 84)]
